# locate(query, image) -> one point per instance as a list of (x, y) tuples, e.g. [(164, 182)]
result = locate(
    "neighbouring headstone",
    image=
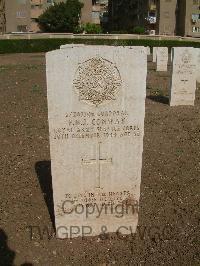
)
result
[(198, 64), (162, 59), (183, 82), (171, 56), (154, 54), (96, 109)]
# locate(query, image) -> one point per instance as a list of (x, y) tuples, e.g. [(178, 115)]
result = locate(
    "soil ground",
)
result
[(169, 220)]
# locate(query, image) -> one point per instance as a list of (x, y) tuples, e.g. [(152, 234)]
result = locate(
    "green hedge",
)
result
[(45, 45)]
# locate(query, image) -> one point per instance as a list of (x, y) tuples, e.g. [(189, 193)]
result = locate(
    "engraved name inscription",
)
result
[(89, 125)]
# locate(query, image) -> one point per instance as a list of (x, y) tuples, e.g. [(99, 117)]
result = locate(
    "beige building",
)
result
[(164, 17), (167, 17), (188, 21), (161, 16), (174, 17), (86, 12), (94, 11), (17, 15), (21, 15)]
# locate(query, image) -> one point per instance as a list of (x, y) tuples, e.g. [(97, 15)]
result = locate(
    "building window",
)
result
[(21, 14), (195, 17), (22, 28), (95, 15), (151, 17), (196, 29)]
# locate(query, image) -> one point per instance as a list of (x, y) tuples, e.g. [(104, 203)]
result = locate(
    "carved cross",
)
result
[(98, 161)]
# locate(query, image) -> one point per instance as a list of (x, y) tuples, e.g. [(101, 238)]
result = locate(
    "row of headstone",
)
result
[(96, 110), (184, 75), (162, 58)]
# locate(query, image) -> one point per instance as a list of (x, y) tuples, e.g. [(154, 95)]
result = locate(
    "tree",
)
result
[(62, 17), (124, 15)]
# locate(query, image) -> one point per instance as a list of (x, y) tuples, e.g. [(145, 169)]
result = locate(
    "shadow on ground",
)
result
[(159, 99), (43, 170), (7, 255)]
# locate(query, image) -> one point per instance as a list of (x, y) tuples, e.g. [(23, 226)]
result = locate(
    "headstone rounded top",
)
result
[(97, 81)]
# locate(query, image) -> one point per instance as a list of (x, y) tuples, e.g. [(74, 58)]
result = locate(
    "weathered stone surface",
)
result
[(154, 54), (198, 65), (96, 109), (162, 58), (183, 83)]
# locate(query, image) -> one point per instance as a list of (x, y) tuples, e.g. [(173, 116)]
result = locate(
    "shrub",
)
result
[(45, 45), (92, 28), (138, 30), (79, 29)]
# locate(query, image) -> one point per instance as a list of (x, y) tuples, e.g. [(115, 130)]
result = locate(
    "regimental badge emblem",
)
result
[(97, 81)]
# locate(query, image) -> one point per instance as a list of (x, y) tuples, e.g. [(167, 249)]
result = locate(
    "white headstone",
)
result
[(154, 54), (162, 58), (171, 55), (198, 65), (96, 109), (183, 83)]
